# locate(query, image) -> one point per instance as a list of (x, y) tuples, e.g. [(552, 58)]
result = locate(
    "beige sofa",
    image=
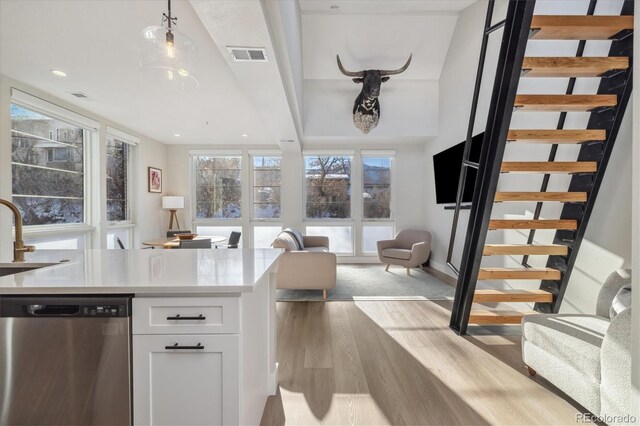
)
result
[(311, 268), (410, 248)]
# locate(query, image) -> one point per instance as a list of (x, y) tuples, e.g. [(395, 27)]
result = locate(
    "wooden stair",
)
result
[(563, 197), (558, 103), (556, 136), (497, 317), (498, 295), (518, 274), (568, 224), (571, 27), (572, 66), (549, 167), (524, 249)]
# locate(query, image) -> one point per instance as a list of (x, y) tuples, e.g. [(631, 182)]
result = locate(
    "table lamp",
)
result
[(173, 203)]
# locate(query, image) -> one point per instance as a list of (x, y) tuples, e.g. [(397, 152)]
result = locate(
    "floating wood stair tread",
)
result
[(572, 66), (540, 296), (563, 102), (556, 136), (525, 249), (569, 27), (486, 317), (564, 197), (549, 167), (518, 274), (569, 224)]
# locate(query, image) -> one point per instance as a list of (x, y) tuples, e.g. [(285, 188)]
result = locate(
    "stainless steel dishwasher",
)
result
[(65, 360)]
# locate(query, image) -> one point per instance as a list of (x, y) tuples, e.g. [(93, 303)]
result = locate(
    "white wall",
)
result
[(607, 244), (407, 109), (147, 210), (408, 174)]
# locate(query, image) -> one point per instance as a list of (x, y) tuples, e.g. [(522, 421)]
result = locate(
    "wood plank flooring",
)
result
[(397, 362)]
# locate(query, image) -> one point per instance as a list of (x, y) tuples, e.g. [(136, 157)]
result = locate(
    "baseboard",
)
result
[(357, 259), (442, 272)]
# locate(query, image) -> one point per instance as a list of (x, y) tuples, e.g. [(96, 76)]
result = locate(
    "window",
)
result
[(263, 236), (218, 186), (58, 242), (118, 193), (119, 235), (371, 234), (328, 187), (376, 187), (340, 237), (48, 168), (266, 187)]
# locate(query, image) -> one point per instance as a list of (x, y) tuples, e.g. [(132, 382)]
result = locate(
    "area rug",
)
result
[(371, 282)]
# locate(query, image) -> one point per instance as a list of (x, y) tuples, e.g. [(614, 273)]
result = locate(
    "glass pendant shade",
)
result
[(168, 58)]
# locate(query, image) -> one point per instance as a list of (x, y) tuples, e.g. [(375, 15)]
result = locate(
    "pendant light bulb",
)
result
[(168, 57), (171, 53)]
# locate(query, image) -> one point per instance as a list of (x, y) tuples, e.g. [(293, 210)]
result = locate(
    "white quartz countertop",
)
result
[(187, 272)]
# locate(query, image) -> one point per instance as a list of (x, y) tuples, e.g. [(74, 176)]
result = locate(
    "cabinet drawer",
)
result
[(186, 315), (186, 379)]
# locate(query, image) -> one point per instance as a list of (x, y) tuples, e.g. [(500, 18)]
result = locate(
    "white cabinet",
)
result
[(186, 379), (206, 360)]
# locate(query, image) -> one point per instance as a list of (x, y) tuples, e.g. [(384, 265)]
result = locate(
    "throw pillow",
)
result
[(621, 302), (298, 236), (286, 241)]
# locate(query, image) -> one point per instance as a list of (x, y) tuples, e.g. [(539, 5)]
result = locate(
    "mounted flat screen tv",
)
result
[(446, 167)]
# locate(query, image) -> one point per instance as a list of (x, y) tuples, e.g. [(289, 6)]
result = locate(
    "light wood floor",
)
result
[(397, 362)]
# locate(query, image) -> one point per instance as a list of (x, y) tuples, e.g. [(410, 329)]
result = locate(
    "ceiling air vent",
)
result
[(79, 95), (248, 54)]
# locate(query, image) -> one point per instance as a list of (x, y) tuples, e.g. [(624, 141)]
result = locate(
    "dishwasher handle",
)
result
[(53, 310)]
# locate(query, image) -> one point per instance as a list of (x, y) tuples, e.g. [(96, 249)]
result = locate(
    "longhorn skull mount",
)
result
[(366, 108)]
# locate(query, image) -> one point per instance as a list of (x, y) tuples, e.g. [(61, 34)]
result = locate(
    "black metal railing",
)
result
[(509, 68), (488, 29)]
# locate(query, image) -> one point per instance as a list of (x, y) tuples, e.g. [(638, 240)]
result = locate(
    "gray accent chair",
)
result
[(588, 357), (410, 248)]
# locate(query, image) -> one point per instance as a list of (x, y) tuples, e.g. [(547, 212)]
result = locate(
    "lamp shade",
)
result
[(172, 202)]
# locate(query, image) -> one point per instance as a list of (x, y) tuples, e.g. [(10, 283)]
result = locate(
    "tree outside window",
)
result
[(328, 187), (218, 186), (48, 166), (376, 187), (118, 153), (266, 187)]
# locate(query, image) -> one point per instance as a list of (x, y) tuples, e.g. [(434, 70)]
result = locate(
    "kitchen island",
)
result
[(202, 326)]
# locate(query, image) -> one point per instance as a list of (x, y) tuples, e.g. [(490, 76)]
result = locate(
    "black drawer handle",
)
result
[(179, 318), (176, 346)]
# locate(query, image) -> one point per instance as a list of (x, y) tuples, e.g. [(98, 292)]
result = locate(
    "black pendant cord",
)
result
[(554, 148)]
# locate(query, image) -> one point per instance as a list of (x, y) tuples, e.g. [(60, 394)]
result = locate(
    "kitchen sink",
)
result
[(16, 268)]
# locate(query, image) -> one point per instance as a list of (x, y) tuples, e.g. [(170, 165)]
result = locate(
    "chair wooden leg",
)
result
[(408, 271), (324, 294), (531, 371), (386, 268)]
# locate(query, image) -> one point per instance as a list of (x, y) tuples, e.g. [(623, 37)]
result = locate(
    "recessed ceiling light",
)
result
[(177, 135), (59, 73), (244, 135)]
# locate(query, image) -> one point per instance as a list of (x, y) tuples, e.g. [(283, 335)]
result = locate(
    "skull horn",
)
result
[(399, 70), (348, 73)]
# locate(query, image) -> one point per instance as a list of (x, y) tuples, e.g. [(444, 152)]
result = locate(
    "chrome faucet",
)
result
[(19, 249)]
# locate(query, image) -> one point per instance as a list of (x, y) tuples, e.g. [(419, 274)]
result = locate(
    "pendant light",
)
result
[(168, 57)]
